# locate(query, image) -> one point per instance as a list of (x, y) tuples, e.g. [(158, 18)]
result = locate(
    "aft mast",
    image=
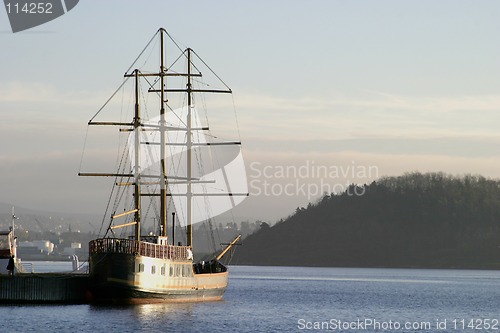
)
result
[(189, 193)]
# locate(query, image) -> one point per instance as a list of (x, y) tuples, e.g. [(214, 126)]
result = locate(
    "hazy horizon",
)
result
[(327, 93)]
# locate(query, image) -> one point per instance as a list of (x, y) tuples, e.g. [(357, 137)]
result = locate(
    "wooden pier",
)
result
[(63, 288)]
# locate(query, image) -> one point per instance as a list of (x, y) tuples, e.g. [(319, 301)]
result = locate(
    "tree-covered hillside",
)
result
[(415, 220)]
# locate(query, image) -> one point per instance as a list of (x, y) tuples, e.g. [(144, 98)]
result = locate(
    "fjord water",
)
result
[(296, 299)]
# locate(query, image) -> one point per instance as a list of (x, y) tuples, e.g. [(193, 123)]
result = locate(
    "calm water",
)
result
[(291, 299)]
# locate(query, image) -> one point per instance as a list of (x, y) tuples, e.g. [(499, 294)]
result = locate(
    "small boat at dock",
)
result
[(8, 250), (21, 285)]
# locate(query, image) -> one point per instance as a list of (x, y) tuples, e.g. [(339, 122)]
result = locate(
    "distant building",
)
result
[(76, 248), (46, 246), (38, 246)]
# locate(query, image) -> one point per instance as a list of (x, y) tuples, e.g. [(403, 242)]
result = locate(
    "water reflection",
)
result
[(151, 312), (147, 317), (147, 311)]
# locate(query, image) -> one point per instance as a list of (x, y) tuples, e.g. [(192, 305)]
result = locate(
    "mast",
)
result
[(137, 157), (13, 219), (189, 193), (163, 146), (138, 127), (173, 228), (13, 246)]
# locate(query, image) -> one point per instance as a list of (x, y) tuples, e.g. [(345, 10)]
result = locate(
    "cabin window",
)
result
[(171, 271), (141, 268), (153, 269), (162, 270)]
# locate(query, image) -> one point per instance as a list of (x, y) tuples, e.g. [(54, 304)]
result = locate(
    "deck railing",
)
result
[(128, 246)]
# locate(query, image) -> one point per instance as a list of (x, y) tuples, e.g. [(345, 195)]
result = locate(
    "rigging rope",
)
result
[(173, 40), (210, 69), (109, 99), (140, 54), (83, 149), (111, 196)]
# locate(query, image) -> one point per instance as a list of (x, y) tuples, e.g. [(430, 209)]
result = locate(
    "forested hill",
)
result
[(415, 220)]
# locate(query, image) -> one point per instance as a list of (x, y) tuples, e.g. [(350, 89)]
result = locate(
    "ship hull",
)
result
[(121, 278), (113, 293)]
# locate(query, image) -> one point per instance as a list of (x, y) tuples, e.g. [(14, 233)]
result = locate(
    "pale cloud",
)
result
[(394, 133), (384, 100), (45, 98), (368, 100), (25, 91), (338, 115), (369, 114)]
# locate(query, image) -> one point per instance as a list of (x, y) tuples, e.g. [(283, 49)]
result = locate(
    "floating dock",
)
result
[(62, 288)]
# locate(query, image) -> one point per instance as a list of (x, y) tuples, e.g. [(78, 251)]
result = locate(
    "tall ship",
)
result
[(172, 165)]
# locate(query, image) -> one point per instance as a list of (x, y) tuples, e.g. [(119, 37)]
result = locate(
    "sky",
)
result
[(327, 93)]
